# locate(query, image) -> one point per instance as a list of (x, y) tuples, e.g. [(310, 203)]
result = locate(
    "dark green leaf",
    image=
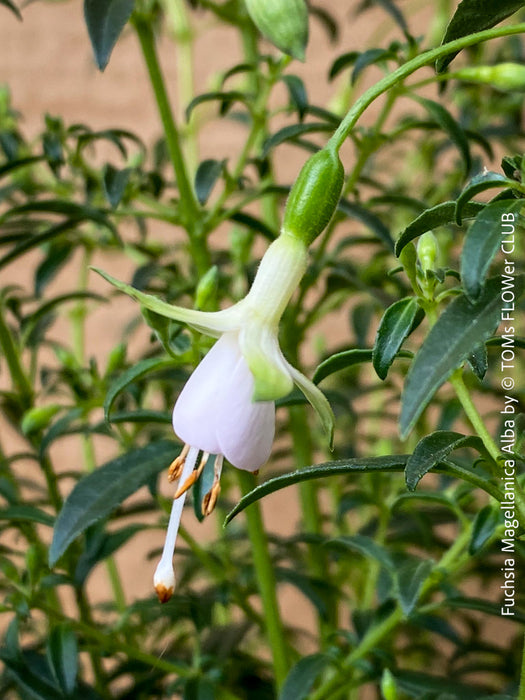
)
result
[(340, 361), (340, 63), (434, 448), (11, 5), (440, 215), (302, 676), (226, 99), (365, 216), (483, 241), (26, 513), (20, 163), (485, 524), (252, 222), (364, 545), (454, 130), (409, 580), (473, 16), (478, 361), (326, 19), (62, 655), (423, 685), (397, 323), (115, 182), (206, 176), (297, 92), (368, 58), (394, 463), (138, 371), (478, 184), (57, 255), (105, 20), (488, 607), (98, 493), (458, 331), (291, 132), (100, 545)]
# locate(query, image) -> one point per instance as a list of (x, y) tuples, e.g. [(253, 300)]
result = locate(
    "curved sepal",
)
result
[(260, 349), (318, 401), (213, 323)]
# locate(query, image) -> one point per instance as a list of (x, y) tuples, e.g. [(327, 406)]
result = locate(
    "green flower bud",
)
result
[(388, 686), (283, 22), (314, 196), (504, 76), (427, 251), (207, 287), (38, 418)]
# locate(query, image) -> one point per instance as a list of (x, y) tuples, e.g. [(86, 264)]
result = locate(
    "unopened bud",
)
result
[(38, 418), (314, 196), (388, 686), (283, 22), (504, 76), (427, 251), (207, 287)]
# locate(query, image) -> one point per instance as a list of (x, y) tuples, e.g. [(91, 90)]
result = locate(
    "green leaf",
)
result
[(14, 9), (291, 132), (485, 524), (409, 580), (340, 361), (99, 546), (105, 20), (387, 463), (447, 122), (457, 332), (99, 493), (478, 361), (206, 176), (342, 62), (152, 364), (434, 448), (369, 58), (440, 215), (302, 676), (25, 513), (480, 183), (364, 545), (297, 93), (424, 685), (473, 16), (366, 217), (62, 655), (114, 182), (226, 99), (483, 241), (398, 321)]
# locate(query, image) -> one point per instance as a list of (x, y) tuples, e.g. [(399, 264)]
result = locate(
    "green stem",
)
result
[(424, 59), (266, 582), (12, 356), (472, 413), (188, 204)]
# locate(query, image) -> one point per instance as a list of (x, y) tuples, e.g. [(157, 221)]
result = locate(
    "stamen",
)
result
[(175, 468), (164, 576), (192, 478), (210, 499)]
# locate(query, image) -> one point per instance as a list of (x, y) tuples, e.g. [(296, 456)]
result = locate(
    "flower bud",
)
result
[(207, 287), (38, 418), (388, 686), (427, 251), (283, 22), (504, 76), (314, 196)]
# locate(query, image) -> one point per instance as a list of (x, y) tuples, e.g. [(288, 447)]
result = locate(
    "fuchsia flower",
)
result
[(227, 407)]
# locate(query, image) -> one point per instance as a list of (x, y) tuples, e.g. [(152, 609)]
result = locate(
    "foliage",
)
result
[(398, 551)]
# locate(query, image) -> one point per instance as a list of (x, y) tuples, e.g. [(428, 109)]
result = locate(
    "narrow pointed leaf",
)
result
[(99, 493), (440, 215), (483, 241), (458, 331), (339, 361), (397, 323), (387, 463), (62, 654), (454, 130), (206, 176), (434, 448), (410, 579), (479, 183), (474, 16), (302, 676), (105, 20)]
